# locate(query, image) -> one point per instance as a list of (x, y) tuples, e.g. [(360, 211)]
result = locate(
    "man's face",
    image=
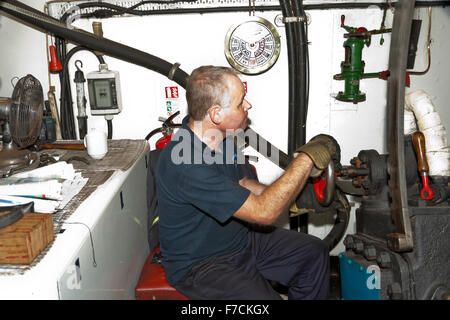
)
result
[(235, 115)]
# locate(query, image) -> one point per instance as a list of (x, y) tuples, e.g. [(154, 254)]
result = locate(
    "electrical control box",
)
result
[(104, 91)]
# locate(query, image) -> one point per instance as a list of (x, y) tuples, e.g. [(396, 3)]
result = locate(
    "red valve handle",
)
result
[(422, 164), (361, 29), (427, 193), (324, 185), (319, 185)]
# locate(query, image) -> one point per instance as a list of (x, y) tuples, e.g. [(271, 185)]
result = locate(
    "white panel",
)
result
[(109, 267)]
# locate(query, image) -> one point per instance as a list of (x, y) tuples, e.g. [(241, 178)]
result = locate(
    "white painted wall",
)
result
[(194, 39)]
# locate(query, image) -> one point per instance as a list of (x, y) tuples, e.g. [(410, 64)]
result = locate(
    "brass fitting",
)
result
[(98, 31), (97, 28)]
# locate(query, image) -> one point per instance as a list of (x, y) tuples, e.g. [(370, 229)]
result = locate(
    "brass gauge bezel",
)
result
[(237, 60)]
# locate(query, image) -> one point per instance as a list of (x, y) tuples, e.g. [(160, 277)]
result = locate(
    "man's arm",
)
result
[(274, 199), (252, 185)]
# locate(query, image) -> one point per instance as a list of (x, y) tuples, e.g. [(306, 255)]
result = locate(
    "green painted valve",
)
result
[(352, 68)]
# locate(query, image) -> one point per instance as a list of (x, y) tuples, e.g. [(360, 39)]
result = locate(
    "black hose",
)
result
[(301, 76), (341, 223), (66, 106), (110, 128), (294, 222), (59, 45), (167, 125), (153, 132), (292, 79), (92, 42), (298, 84)]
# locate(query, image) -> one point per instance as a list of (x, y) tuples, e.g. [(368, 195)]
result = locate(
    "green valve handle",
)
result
[(352, 68)]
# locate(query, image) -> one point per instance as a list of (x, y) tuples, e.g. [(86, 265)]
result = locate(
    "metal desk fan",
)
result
[(22, 119)]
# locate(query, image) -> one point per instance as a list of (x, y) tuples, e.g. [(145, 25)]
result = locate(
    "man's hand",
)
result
[(321, 149)]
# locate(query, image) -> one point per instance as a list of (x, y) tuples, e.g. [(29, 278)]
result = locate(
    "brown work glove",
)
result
[(321, 149)]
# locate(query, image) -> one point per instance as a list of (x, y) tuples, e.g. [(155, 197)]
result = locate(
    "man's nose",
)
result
[(247, 105)]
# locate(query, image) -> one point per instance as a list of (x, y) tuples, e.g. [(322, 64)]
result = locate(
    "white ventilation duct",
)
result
[(419, 109)]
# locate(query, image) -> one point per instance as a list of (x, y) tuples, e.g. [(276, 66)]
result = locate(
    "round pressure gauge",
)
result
[(252, 47)]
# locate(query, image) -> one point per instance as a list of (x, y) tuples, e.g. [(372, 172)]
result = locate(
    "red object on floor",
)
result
[(152, 283)]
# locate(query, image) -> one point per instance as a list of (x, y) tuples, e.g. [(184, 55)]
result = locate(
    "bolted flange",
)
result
[(384, 259), (370, 252), (358, 246), (394, 291), (349, 242)]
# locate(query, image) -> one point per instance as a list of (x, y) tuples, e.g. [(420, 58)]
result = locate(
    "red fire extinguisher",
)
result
[(166, 129), (162, 142)]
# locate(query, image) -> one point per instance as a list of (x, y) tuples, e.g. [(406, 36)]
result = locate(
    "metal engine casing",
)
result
[(420, 274), (423, 273)]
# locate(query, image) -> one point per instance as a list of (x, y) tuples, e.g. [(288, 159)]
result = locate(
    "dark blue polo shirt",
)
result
[(197, 193)]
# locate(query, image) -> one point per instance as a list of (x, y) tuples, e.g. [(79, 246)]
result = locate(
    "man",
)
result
[(206, 205)]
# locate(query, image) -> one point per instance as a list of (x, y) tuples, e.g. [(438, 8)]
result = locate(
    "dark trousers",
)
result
[(296, 260)]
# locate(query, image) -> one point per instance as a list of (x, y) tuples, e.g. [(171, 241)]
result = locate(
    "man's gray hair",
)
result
[(207, 86)]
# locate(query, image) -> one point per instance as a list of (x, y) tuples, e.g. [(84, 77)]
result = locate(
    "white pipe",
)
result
[(421, 115)]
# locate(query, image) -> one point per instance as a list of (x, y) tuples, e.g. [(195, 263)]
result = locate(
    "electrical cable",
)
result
[(428, 47), (67, 118)]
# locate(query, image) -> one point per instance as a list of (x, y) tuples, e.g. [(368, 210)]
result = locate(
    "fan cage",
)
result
[(27, 103)]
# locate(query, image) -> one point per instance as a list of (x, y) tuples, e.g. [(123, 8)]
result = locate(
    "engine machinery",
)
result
[(369, 268)]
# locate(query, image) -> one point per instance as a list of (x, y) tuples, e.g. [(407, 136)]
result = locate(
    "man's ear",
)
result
[(215, 115)]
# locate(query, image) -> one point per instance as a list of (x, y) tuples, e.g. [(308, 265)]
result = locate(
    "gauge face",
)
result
[(252, 47)]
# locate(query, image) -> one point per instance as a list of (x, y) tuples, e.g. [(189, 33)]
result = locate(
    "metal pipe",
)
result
[(319, 6)]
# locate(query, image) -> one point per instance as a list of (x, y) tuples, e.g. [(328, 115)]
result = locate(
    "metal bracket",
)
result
[(402, 239), (173, 70), (294, 19), (280, 20)]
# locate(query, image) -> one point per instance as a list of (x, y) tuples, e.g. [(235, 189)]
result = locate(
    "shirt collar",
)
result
[(199, 145)]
